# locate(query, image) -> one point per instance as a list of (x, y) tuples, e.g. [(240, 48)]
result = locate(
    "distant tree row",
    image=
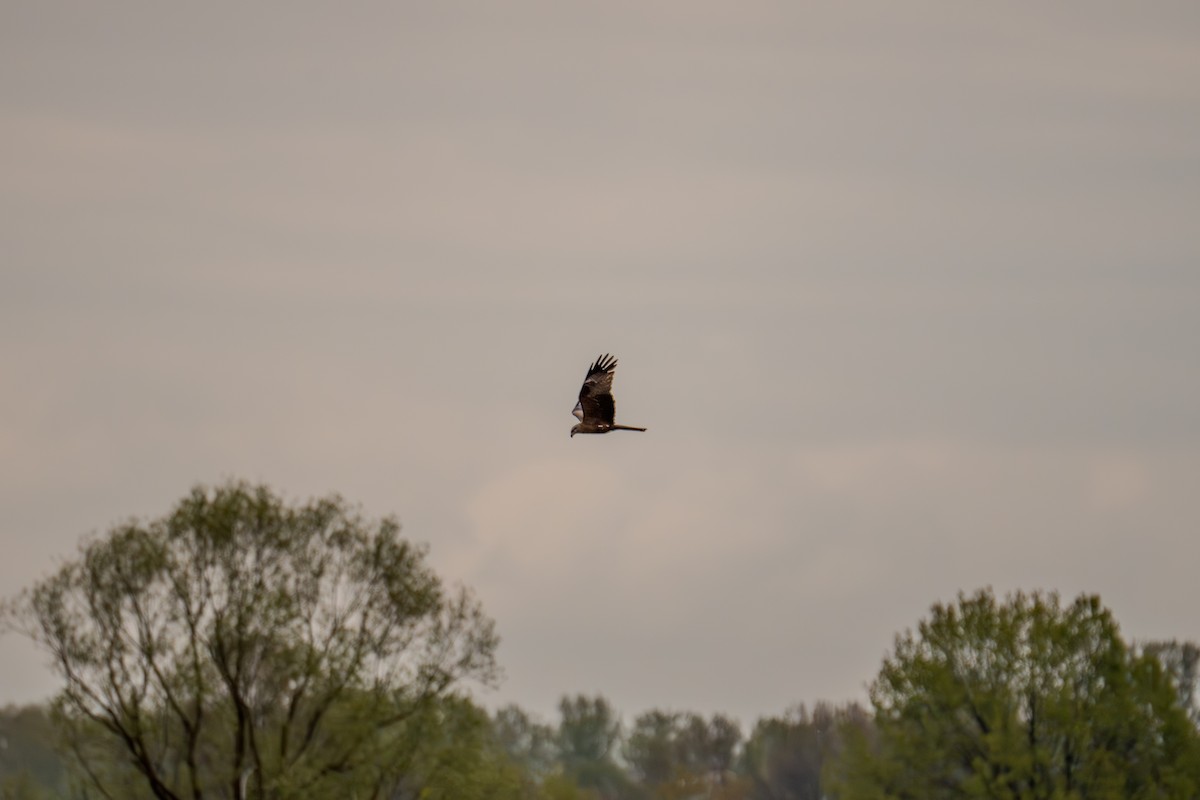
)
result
[(587, 755), (665, 754), (243, 648)]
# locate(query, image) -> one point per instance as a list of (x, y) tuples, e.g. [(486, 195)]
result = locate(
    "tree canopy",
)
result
[(1026, 698), (242, 647), (245, 648), (589, 736)]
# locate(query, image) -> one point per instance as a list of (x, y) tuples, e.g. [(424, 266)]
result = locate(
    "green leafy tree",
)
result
[(652, 748), (559, 787), (29, 764), (461, 759), (1181, 660), (680, 755), (241, 647), (785, 757), (1027, 698), (589, 735), (22, 786), (529, 743), (709, 747)]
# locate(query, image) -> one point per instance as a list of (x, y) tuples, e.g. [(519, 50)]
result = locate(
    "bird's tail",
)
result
[(625, 428)]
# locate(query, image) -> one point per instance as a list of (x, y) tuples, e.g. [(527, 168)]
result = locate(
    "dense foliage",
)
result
[(244, 648), (1027, 698), (241, 647)]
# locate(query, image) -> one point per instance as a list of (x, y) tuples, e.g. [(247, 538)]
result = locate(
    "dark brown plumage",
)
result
[(596, 408)]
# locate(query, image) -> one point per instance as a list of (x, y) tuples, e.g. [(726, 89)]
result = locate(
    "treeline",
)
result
[(242, 648), (588, 753)]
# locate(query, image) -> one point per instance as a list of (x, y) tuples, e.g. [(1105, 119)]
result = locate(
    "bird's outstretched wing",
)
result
[(596, 403)]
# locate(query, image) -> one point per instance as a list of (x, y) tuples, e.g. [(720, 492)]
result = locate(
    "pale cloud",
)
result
[(796, 544), (544, 519), (1118, 483), (904, 295)]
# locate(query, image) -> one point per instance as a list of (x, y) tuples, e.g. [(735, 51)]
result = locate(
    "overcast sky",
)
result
[(908, 296)]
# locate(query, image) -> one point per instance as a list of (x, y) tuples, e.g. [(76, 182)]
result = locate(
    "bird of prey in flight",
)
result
[(596, 408)]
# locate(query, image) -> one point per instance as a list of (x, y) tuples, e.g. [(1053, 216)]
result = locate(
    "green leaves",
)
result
[(244, 647), (1027, 698)]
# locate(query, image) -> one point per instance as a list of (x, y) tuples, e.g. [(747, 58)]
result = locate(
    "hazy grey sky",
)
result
[(907, 294)]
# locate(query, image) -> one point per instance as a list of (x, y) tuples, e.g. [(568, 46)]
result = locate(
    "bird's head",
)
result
[(574, 430)]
